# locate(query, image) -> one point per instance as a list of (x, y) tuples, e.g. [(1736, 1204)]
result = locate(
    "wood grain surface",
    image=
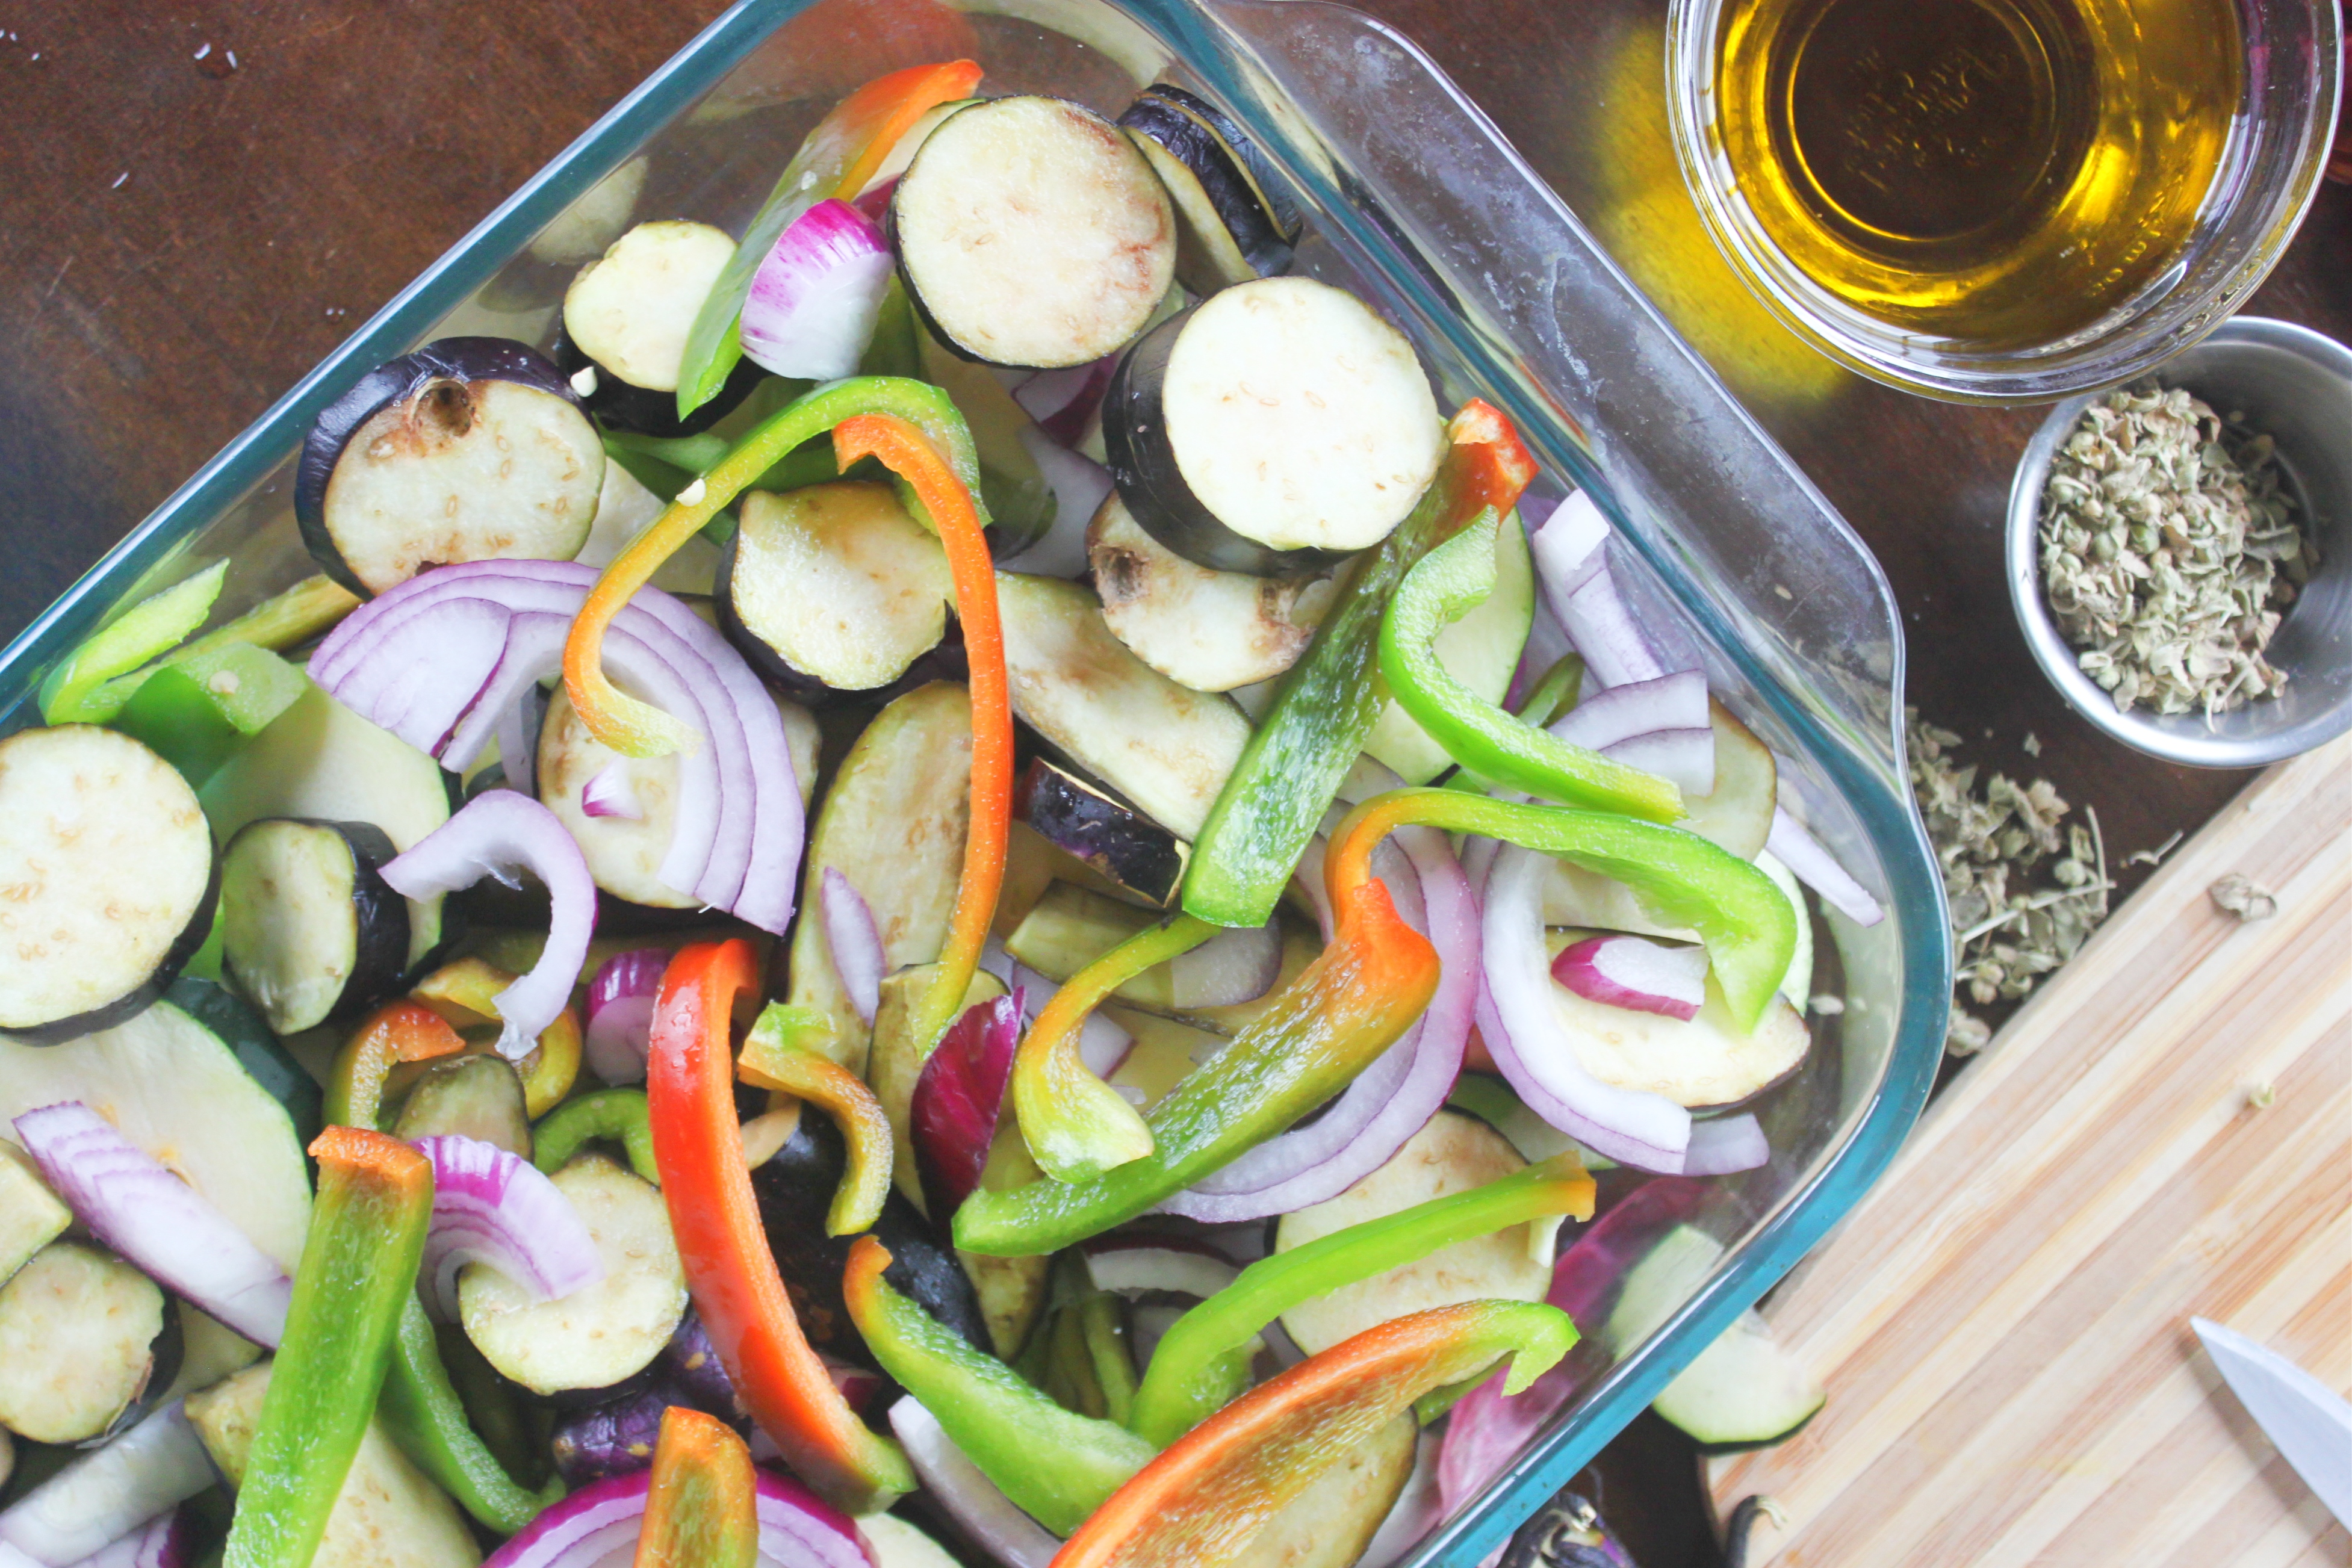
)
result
[(2003, 1323)]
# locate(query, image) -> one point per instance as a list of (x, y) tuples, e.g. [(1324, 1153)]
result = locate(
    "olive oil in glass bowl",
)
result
[(2002, 200)]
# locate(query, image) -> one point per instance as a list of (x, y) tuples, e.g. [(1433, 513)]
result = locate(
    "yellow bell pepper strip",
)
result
[(73, 693), (730, 1271), (359, 1266), (1443, 587), (839, 157), (701, 1508), (1202, 1362), (466, 993), (843, 1096), (422, 1412), (1076, 1125), (618, 1115), (1682, 879), (1309, 738), (1352, 1002), (1202, 1501), (948, 495), (395, 1032), (1055, 1464), (635, 728)]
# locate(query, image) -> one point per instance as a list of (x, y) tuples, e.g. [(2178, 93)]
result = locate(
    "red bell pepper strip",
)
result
[(840, 1094), (730, 1271), (702, 1508), (837, 158), (395, 1032), (358, 1270), (1076, 1125), (947, 495), (1203, 1499), (1357, 997)]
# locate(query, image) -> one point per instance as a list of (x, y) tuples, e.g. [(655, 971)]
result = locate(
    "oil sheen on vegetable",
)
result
[(1995, 172)]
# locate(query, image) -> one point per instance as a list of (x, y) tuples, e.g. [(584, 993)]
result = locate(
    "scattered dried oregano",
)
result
[(2168, 552), (2014, 918)]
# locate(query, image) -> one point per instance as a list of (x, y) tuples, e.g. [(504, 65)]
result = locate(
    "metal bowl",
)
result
[(2297, 385)]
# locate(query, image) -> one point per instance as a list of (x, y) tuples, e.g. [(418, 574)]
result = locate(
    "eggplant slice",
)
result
[(82, 1335), (469, 449), (1210, 631), (107, 880), (1120, 842), (1276, 428), (626, 316), (833, 586), (309, 927), (1032, 233), (1232, 225)]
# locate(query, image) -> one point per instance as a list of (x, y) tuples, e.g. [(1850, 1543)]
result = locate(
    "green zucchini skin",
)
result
[(233, 1021)]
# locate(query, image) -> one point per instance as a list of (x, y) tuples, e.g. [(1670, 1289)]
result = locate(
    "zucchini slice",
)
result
[(1129, 849), (1453, 1153), (469, 449), (31, 1216), (1275, 429), (321, 761), (476, 1095), (893, 824), (625, 317), (79, 1333), (833, 587), (1210, 631), (1705, 1063), (1031, 232), (610, 1330), (1742, 1392), (1164, 746), (308, 928), (107, 880), (1232, 225)]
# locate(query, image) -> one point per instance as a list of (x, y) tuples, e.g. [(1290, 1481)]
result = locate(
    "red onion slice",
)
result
[(1135, 1268), (1079, 484), (1233, 967), (812, 303), (1523, 1032), (165, 1541), (1103, 1046), (1818, 869), (1686, 756), (517, 739), (958, 1097), (607, 793), (854, 941), (1062, 401), (1621, 713), (1725, 1146), (491, 1206), (1636, 973), (621, 999), (110, 1491), (601, 1521), (1567, 546), (994, 1522), (130, 1202), (497, 834)]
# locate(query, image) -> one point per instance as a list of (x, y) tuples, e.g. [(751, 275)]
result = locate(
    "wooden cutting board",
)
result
[(2003, 1323)]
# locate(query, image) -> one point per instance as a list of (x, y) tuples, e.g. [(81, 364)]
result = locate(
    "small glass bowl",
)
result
[(2270, 169)]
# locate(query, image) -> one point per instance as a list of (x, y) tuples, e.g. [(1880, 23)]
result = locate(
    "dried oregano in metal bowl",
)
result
[(2169, 553)]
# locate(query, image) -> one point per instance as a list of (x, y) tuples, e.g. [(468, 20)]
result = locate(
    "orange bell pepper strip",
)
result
[(1076, 1125), (947, 495), (702, 1508), (730, 1271), (395, 1032), (1201, 1499), (785, 1065)]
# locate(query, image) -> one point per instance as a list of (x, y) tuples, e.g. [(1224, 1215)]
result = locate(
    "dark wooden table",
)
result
[(197, 202)]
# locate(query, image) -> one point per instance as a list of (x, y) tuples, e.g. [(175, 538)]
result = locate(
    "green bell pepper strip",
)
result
[(1352, 1002), (283, 621), (1055, 1464), (1202, 1363), (1274, 799), (1556, 692), (196, 713), (838, 158), (1680, 878), (636, 728), (423, 1413), (74, 691), (1104, 1335), (1443, 587), (1076, 1125), (617, 1114), (358, 1269), (1203, 1499)]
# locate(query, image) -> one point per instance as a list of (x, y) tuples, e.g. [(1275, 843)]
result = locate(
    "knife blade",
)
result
[(2309, 1421)]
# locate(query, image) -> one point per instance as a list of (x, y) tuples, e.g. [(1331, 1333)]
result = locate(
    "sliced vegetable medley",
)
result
[(811, 917)]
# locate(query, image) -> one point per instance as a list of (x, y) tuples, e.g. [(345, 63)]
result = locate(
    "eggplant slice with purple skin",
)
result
[(469, 449), (310, 929), (1234, 220), (1108, 835), (625, 317)]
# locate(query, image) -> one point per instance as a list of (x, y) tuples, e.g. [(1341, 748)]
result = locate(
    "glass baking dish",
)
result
[(1415, 201)]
